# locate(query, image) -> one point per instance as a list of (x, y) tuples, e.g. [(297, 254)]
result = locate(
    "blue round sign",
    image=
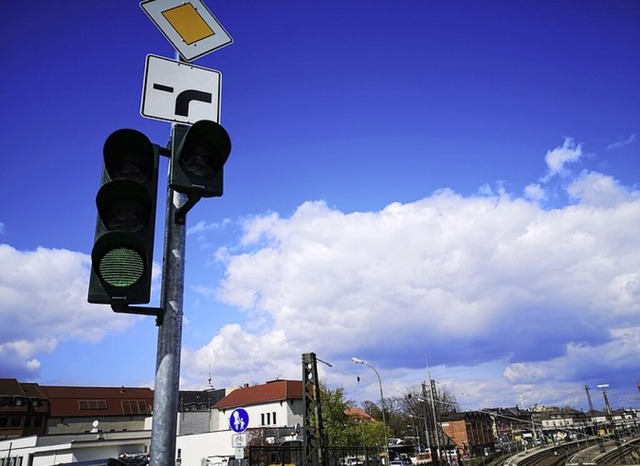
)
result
[(239, 420)]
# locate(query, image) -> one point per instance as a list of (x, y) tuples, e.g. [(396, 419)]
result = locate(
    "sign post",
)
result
[(238, 422)]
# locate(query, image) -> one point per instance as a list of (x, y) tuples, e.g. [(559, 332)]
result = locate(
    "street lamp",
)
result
[(604, 387), (607, 407), (384, 419)]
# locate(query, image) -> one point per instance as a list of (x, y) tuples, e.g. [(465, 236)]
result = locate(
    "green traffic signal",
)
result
[(197, 159), (122, 255)]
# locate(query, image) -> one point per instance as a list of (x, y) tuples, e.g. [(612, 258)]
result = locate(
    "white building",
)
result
[(275, 410)]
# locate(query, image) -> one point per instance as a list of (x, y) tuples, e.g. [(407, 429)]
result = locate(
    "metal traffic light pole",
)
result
[(122, 256), (165, 398)]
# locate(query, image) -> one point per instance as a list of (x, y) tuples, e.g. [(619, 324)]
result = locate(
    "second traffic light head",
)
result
[(197, 159)]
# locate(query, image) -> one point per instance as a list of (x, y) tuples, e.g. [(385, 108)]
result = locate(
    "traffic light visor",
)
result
[(124, 205), (205, 149), (129, 155)]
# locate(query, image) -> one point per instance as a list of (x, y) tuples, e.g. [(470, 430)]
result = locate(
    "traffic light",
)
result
[(197, 158), (122, 255)]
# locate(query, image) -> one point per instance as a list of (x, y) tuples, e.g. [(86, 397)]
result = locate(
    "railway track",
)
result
[(624, 454), (574, 454)]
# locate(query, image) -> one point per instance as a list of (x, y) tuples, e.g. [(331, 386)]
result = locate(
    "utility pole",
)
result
[(313, 437), (586, 388)]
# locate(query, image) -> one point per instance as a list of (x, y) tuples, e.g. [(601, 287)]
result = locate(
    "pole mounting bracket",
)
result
[(181, 212), (158, 312)]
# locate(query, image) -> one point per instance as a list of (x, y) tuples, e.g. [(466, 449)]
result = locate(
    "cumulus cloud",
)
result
[(558, 158), (511, 297), (534, 192), (42, 302), (485, 279), (598, 190)]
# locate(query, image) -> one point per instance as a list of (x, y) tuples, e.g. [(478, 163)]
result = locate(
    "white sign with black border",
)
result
[(180, 92), (239, 440)]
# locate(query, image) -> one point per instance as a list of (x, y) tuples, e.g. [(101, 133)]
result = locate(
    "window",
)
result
[(268, 418), (92, 404), (134, 407), (36, 421)]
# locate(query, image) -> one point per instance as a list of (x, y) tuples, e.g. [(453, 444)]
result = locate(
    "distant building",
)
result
[(277, 403), (275, 411), (359, 415), (511, 424), (24, 409), (471, 432), (195, 410), (97, 409), (44, 425)]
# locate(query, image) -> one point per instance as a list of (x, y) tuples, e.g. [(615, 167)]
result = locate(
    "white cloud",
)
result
[(556, 159), (620, 351), (43, 301), (475, 280), (598, 190), (622, 143), (534, 192), (509, 296)]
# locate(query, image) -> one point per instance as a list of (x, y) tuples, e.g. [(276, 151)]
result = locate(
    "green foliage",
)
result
[(339, 428), (343, 430)]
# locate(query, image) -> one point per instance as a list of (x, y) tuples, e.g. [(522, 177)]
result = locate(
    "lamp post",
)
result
[(384, 419), (607, 407)]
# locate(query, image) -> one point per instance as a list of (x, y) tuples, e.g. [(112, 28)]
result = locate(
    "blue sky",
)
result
[(446, 183)]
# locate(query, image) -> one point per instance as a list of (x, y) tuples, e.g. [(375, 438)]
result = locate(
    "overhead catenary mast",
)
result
[(586, 389)]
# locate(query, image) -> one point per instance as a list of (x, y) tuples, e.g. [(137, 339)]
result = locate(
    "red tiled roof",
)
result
[(11, 387), (118, 401), (22, 395), (359, 414), (276, 390)]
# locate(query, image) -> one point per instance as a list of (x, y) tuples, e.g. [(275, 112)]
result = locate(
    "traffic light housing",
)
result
[(198, 155), (122, 255)]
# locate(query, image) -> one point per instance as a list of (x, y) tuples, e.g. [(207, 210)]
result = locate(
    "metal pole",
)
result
[(165, 397), (384, 419), (436, 431), (415, 430)]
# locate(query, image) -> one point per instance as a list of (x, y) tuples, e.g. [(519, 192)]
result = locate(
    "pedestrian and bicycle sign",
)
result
[(239, 420)]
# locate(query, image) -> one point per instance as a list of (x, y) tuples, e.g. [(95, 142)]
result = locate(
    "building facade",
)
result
[(471, 432), (86, 423)]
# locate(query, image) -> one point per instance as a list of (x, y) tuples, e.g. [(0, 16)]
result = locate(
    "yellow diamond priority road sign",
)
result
[(188, 25)]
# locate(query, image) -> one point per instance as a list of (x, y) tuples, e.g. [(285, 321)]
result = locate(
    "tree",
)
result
[(339, 428)]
